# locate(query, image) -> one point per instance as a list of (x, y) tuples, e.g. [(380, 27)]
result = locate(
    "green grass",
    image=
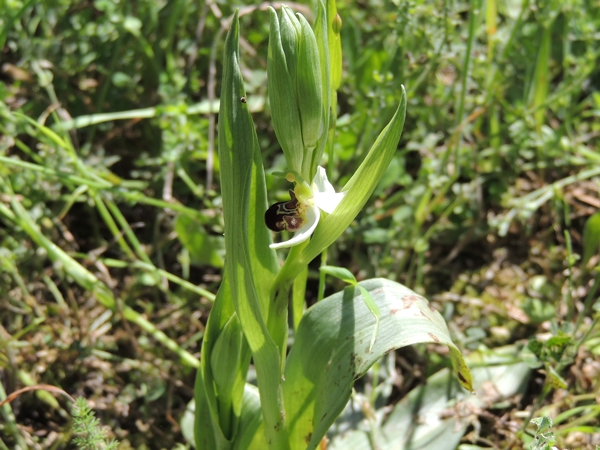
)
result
[(111, 244)]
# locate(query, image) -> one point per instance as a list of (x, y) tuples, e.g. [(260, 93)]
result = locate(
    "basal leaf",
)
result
[(332, 349)]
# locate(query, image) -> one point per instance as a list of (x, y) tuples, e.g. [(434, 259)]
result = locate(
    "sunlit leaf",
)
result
[(345, 275), (332, 350)]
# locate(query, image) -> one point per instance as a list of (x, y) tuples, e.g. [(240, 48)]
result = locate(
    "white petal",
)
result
[(312, 220), (328, 201), (320, 182)]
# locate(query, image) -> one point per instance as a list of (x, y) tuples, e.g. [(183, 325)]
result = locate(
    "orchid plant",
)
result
[(299, 392)]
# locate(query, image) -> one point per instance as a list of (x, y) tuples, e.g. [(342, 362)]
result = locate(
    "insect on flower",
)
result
[(284, 215), (302, 212)]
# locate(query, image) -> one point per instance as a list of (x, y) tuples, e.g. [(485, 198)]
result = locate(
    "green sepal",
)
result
[(309, 91), (290, 29), (335, 46), (284, 108), (321, 27)]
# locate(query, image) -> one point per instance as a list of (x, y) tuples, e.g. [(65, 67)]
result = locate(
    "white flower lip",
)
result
[(325, 198)]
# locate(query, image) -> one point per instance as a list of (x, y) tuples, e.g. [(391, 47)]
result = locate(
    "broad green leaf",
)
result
[(229, 363), (591, 237), (436, 415), (250, 434), (250, 264), (331, 351)]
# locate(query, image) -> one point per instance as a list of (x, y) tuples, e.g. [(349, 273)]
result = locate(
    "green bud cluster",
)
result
[(295, 89)]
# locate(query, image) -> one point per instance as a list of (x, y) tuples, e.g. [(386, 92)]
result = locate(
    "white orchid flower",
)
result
[(302, 212)]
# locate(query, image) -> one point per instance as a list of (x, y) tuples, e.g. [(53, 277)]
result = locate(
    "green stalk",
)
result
[(163, 273), (133, 196), (112, 226), (137, 246)]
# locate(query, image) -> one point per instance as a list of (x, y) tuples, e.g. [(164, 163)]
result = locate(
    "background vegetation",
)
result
[(110, 224)]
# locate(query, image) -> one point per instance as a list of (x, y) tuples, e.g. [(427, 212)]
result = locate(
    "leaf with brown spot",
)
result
[(335, 332)]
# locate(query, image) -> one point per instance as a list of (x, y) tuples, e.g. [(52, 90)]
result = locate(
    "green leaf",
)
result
[(209, 432), (250, 264), (541, 77), (250, 434), (591, 237), (538, 310), (554, 380), (542, 423), (331, 351), (345, 275), (229, 362), (340, 272)]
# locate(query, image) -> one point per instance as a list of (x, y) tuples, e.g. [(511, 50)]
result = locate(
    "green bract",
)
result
[(295, 89)]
